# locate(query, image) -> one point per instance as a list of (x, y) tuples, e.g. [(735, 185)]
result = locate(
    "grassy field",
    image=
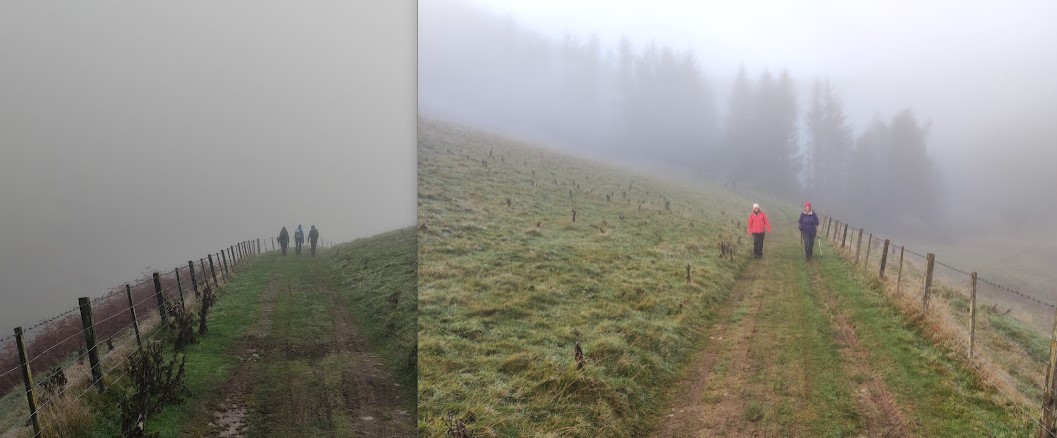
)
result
[(509, 283)]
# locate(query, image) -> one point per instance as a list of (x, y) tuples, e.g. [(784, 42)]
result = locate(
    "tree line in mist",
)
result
[(652, 103)]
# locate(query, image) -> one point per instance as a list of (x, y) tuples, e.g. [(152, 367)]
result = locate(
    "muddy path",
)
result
[(778, 361), (711, 401), (230, 416), (305, 369)]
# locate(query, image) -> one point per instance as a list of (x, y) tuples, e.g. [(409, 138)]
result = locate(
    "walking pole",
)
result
[(803, 241)]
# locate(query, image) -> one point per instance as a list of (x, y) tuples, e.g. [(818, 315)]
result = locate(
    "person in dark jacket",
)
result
[(808, 228), (757, 226), (284, 239), (313, 236)]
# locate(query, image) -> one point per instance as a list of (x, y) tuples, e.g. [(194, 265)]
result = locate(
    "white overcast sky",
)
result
[(138, 135)]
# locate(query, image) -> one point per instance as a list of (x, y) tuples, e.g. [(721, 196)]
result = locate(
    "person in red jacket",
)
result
[(758, 225)]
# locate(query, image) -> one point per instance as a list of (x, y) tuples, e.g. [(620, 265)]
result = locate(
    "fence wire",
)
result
[(954, 285)]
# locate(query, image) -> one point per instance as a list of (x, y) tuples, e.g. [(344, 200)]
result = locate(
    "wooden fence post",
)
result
[(845, 237), (858, 247), (27, 380), (258, 246), (223, 276), (194, 281), (1048, 428), (829, 224), (132, 309), (688, 273), (972, 318), (273, 244), (930, 261), (180, 287), (224, 262), (869, 244), (884, 259), (213, 271), (205, 275), (89, 340), (899, 276), (161, 299)]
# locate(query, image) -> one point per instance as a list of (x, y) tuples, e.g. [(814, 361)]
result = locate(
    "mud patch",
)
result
[(230, 419)]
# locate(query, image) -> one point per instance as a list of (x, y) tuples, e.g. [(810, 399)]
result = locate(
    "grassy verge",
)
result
[(383, 295), (942, 395), (209, 362), (509, 283)]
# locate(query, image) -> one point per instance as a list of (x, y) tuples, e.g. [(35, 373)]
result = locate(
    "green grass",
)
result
[(1019, 332), (502, 302), (799, 354), (392, 271), (209, 362), (941, 394)]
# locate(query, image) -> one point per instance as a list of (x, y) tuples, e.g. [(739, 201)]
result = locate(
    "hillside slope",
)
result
[(526, 253)]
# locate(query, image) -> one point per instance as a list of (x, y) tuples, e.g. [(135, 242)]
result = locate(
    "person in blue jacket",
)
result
[(299, 238), (808, 228)]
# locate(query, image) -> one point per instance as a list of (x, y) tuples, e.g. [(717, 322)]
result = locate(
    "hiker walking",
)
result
[(808, 226), (299, 238), (313, 236), (757, 226), (284, 239)]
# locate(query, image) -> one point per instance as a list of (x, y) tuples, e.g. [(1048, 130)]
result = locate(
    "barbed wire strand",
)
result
[(16, 368), (52, 319)]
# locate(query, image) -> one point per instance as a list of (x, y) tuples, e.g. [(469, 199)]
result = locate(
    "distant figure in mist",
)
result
[(313, 236), (808, 227), (284, 239), (757, 226), (299, 238)]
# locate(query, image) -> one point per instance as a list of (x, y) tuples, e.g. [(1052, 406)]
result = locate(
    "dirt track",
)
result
[(328, 383), (754, 376)]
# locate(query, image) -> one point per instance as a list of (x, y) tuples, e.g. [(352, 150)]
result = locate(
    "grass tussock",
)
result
[(509, 283)]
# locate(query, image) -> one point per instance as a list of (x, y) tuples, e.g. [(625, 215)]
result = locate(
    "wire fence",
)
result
[(1001, 332), (57, 353)]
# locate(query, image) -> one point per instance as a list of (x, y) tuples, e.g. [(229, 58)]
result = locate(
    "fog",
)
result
[(938, 117), (137, 136)]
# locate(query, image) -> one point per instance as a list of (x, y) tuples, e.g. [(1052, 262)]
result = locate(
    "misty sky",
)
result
[(981, 72), (140, 135)]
